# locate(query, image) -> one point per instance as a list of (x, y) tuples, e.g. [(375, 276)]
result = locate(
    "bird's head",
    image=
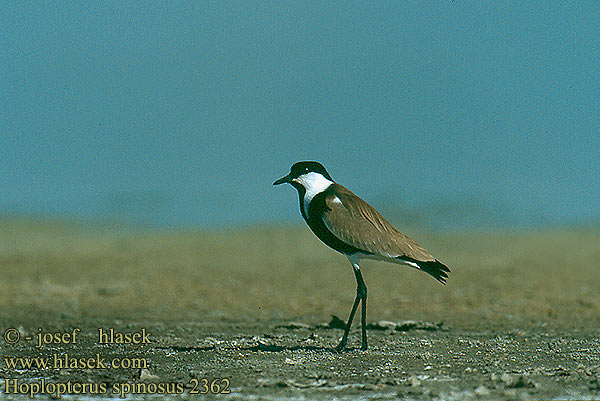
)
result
[(307, 174)]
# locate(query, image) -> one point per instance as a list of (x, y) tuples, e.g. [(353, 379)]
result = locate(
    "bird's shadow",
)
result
[(264, 348), (178, 348), (282, 348)]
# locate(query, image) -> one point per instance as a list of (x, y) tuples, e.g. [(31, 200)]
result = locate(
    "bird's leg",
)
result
[(342, 344), (361, 290), (361, 295)]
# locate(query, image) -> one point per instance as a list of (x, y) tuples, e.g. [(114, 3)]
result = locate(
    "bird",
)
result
[(352, 227)]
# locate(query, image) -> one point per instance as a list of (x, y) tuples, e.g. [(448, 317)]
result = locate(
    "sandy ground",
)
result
[(518, 319)]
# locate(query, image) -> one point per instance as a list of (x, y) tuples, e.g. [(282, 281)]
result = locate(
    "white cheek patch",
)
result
[(336, 200), (314, 183)]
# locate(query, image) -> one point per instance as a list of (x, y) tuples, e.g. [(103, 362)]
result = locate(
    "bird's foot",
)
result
[(364, 346), (340, 347)]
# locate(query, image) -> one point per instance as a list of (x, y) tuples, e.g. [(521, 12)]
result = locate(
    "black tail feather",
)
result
[(435, 268)]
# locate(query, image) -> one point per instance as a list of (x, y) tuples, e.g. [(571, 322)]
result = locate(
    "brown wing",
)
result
[(355, 222)]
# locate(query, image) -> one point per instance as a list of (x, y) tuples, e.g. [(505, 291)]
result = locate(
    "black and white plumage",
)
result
[(351, 226)]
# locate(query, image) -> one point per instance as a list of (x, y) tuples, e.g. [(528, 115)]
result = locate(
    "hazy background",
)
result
[(447, 114)]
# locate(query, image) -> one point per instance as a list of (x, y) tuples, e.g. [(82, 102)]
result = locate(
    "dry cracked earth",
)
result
[(280, 359)]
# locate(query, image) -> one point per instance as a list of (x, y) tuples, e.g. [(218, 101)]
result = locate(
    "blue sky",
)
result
[(185, 113)]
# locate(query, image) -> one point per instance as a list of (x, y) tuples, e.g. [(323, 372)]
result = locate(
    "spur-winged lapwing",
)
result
[(351, 226)]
